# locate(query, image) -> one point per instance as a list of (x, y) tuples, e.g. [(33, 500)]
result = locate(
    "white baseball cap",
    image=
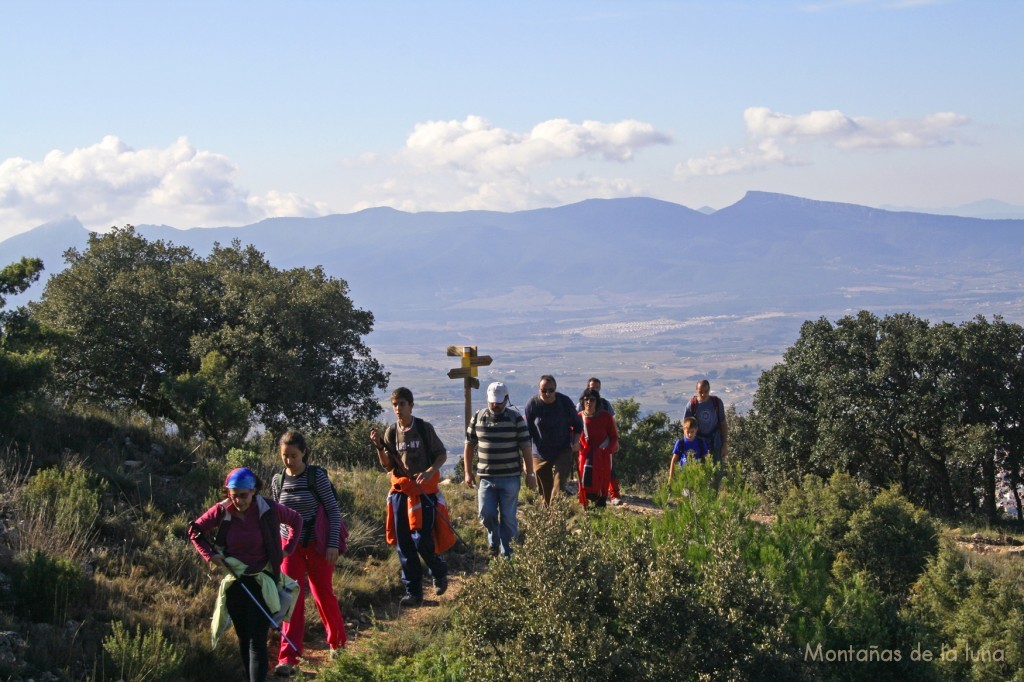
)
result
[(497, 392)]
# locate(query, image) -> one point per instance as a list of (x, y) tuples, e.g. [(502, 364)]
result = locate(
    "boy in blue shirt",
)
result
[(689, 448)]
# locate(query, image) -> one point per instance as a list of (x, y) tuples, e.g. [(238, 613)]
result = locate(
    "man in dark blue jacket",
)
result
[(555, 429)]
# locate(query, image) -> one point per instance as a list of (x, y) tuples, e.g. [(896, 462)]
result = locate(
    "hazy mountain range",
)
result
[(767, 251), (986, 208), (644, 293)]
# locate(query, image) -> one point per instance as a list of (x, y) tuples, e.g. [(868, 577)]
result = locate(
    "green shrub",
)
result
[(45, 587), (264, 466), (703, 506), (858, 619), (348, 447), (829, 504), (645, 443), (509, 636), (941, 588), (707, 521), (797, 564), (601, 595), (973, 614), (890, 542), (347, 668), (988, 629), (58, 508), (141, 657), (833, 611), (237, 457)]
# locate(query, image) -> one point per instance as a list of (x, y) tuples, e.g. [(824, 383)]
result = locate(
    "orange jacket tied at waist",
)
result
[(444, 536)]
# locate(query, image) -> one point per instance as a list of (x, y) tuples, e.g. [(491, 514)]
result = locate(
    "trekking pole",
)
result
[(273, 623), (397, 463)]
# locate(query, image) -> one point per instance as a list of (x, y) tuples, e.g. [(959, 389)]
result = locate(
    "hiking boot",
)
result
[(410, 600), (284, 670), (440, 585)]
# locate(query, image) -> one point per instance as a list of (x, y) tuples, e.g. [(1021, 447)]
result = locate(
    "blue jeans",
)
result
[(497, 499)]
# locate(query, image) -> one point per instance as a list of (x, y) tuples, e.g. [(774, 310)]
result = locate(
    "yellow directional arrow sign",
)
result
[(472, 360), (468, 371)]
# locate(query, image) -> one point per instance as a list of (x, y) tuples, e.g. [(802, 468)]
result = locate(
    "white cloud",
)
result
[(110, 183), (471, 164), (474, 145), (770, 134), (730, 161), (851, 132)]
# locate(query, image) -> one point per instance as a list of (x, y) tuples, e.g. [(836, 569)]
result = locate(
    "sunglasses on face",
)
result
[(547, 390)]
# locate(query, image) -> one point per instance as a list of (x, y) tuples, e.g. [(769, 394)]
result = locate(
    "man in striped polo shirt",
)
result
[(499, 436)]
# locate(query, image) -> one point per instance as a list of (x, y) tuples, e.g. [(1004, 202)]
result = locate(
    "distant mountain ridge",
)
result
[(765, 251), (991, 209)]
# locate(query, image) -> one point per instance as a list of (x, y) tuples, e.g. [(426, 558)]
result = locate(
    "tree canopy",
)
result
[(208, 343), (22, 368), (933, 408), (644, 442)]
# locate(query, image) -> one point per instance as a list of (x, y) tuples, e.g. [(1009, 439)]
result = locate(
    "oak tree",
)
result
[(893, 400), (152, 326), (22, 366)]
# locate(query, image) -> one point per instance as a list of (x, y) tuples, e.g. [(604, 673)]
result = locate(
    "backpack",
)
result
[(719, 410), (321, 523)]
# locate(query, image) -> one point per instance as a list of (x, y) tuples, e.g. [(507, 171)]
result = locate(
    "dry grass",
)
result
[(58, 509), (366, 584)]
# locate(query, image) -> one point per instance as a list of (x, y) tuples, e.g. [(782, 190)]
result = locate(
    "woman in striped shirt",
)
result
[(304, 488)]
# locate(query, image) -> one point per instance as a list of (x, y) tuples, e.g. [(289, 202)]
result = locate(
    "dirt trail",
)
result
[(363, 632), (982, 544)]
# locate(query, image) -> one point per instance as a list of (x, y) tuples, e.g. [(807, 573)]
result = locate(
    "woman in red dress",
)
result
[(598, 441)]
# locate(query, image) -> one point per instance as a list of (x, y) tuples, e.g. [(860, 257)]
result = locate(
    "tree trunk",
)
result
[(988, 475), (1014, 482), (938, 466)]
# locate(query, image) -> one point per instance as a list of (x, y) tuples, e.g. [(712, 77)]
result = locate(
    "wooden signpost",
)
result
[(467, 372)]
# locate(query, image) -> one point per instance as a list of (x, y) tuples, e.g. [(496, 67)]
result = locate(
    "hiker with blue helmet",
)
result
[(246, 542)]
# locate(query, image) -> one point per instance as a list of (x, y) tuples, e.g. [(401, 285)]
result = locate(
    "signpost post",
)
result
[(467, 372)]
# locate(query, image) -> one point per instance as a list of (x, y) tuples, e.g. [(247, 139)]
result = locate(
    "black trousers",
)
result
[(251, 626)]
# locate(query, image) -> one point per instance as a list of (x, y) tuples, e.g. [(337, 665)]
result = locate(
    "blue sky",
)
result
[(224, 113)]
